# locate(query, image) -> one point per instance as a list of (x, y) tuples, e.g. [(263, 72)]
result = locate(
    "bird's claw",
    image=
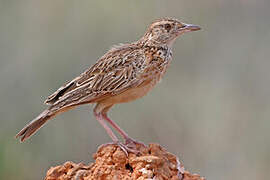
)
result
[(124, 147), (133, 143)]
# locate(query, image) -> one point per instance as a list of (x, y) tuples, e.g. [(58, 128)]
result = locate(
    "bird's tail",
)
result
[(34, 125)]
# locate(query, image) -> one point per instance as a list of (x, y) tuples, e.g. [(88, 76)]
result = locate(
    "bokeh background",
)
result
[(212, 108)]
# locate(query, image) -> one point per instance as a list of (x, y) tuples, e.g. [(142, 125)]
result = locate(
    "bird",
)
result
[(123, 74)]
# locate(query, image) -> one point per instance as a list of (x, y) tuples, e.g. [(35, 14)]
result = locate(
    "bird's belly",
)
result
[(131, 94)]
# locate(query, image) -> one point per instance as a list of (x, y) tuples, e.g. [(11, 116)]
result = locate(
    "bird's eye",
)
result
[(168, 27)]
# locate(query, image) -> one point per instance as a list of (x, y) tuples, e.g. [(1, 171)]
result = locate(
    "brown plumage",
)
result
[(123, 74)]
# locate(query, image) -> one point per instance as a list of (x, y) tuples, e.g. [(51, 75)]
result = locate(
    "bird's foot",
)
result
[(128, 149), (125, 148), (131, 143)]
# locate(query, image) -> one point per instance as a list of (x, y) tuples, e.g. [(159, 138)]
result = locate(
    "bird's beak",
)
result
[(191, 27)]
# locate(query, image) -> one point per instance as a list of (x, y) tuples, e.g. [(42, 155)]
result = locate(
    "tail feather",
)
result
[(34, 125)]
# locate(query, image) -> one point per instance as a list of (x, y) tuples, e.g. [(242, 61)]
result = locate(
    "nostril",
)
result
[(182, 26)]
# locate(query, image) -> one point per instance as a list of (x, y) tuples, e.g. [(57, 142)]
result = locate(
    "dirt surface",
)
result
[(111, 162)]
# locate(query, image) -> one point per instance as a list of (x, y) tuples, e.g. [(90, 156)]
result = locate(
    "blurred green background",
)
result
[(212, 108)]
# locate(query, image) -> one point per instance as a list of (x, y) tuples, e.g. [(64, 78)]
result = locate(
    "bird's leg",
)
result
[(124, 147), (106, 127), (128, 141)]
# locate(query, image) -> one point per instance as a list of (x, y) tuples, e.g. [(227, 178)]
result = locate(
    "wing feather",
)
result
[(117, 71)]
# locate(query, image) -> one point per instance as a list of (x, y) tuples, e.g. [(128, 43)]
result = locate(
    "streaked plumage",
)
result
[(124, 73)]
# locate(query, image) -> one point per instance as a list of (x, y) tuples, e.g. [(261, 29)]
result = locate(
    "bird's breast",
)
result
[(131, 94), (151, 78), (153, 70)]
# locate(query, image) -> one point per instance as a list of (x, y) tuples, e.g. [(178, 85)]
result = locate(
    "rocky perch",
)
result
[(111, 163)]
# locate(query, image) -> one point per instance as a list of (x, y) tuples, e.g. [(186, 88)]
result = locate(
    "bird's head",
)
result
[(165, 31)]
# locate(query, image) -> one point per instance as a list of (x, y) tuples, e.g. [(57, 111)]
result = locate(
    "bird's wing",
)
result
[(118, 70)]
